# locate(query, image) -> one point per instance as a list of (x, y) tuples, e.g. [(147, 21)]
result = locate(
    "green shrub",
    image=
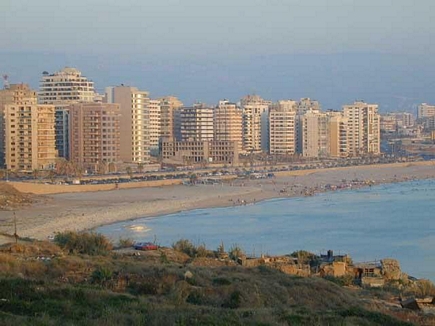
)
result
[(125, 243), (88, 243), (101, 275), (184, 245), (234, 301), (235, 252)]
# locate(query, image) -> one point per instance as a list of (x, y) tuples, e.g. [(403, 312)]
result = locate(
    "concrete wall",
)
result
[(44, 189)]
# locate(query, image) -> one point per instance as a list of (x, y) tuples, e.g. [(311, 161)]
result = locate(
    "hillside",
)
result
[(40, 284)]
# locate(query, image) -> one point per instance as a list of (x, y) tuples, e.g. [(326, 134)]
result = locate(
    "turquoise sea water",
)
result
[(393, 220)]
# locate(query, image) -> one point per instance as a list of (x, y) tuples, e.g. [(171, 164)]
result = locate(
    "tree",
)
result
[(140, 167), (35, 173), (193, 178), (129, 171)]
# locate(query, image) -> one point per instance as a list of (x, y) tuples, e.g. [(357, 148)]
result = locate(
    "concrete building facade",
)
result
[(282, 126), (228, 123), (255, 123), (197, 123), (363, 128), (29, 136), (154, 126), (169, 105), (200, 152), (61, 89), (314, 134), (425, 110), (13, 94), (65, 87), (338, 130), (94, 135), (134, 122)]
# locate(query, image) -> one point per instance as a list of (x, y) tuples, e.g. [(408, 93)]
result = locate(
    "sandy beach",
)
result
[(86, 210)]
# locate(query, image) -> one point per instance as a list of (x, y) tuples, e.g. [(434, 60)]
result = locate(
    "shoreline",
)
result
[(90, 210)]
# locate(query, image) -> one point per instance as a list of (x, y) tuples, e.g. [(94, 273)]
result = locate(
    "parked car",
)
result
[(145, 246)]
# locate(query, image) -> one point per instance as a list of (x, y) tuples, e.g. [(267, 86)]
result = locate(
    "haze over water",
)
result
[(385, 221)]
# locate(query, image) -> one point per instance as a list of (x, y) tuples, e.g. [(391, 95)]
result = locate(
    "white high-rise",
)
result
[(255, 123)]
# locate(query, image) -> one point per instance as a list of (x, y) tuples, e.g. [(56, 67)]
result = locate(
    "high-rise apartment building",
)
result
[(134, 122), (197, 123), (255, 123), (154, 125), (94, 134), (425, 111), (306, 104), (338, 130), (29, 137), (314, 134), (65, 86), (169, 105), (282, 128), (13, 94), (61, 89), (228, 123), (363, 128)]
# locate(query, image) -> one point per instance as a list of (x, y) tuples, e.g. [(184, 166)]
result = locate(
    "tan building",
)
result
[(314, 134), (255, 123), (168, 107), (282, 128), (94, 135), (306, 104), (197, 123), (134, 122), (63, 88), (388, 123), (13, 94), (228, 123), (363, 128), (200, 152), (425, 110), (338, 134), (29, 137)]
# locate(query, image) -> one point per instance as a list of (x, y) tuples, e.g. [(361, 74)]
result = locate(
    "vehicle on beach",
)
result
[(145, 246)]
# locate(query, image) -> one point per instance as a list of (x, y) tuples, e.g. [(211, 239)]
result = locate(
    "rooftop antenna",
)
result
[(5, 81)]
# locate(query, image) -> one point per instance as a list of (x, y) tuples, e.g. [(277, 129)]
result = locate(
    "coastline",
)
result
[(89, 210)]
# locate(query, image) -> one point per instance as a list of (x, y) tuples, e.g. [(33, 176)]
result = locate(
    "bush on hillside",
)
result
[(88, 243)]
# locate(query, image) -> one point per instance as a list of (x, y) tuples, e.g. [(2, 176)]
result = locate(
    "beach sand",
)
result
[(87, 210)]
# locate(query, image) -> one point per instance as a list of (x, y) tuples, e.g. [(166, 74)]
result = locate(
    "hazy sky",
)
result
[(217, 37)]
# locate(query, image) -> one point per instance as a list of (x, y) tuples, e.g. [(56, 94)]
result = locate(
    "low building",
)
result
[(200, 152)]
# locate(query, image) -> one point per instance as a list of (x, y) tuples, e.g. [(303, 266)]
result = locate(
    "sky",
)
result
[(335, 51)]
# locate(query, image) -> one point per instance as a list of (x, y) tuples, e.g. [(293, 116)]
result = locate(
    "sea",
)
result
[(383, 221)]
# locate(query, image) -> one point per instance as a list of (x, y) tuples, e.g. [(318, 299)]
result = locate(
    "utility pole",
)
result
[(15, 228)]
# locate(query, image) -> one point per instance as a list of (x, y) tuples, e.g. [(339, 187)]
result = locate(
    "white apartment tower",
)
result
[(363, 128), (154, 124), (228, 123), (134, 122), (255, 123), (64, 87), (197, 123), (282, 128)]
